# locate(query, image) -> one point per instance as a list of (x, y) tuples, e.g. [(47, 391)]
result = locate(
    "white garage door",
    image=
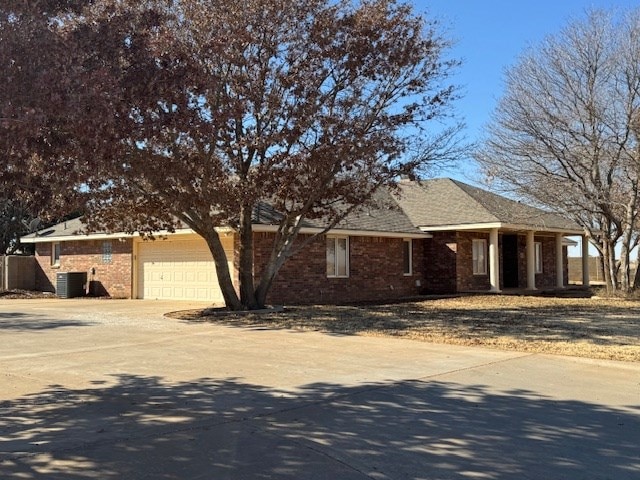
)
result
[(179, 269)]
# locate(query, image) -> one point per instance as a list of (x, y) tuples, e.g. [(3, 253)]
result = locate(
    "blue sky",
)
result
[(489, 36)]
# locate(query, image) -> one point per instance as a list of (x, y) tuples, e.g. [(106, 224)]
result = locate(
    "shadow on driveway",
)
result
[(145, 427), (19, 321)]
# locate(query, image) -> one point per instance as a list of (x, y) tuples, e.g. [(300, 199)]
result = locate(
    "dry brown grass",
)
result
[(592, 327)]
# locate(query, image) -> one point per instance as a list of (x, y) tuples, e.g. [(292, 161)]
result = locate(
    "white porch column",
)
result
[(531, 261), (585, 261), (559, 262), (494, 261)]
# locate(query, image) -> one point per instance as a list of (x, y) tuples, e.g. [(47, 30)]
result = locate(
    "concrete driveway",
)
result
[(112, 389)]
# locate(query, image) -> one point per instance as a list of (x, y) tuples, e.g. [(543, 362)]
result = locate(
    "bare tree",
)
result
[(198, 111), (565, 134)]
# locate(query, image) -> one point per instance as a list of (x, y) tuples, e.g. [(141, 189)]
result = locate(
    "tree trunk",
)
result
[(281, 251), (636, 277), (627, 240), (609, 266), (225, 282), (604, 260), (625, 268), (266, 280), (245, 263)]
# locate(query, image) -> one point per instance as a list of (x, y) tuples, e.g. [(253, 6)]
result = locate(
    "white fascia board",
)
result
[(113, 236), (527, 228), (464, 226), (501, 226), (76, 237), (345, 232)]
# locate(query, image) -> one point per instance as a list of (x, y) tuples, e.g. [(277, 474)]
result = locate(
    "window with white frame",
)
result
[(337, 257), (407, 256), (55, 254), (107, 252), (538, 256), (479, 246)]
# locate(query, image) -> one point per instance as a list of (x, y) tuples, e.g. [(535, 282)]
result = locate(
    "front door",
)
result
[(510, 261)]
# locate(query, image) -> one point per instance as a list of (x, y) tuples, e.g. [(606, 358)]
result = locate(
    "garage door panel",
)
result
[(179, 269)]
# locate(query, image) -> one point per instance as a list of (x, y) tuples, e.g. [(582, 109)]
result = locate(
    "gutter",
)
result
[(257, 228)]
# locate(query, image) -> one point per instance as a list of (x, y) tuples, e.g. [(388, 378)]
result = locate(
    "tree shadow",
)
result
[(599, 325), (147, 427), (29, 322)]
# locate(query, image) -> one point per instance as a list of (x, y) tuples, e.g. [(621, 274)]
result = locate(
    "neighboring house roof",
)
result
[(67, 228), (431, 205), (446, 204)]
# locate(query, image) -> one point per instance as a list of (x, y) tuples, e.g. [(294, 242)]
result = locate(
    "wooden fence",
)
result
[(17, 272), (596, 275)]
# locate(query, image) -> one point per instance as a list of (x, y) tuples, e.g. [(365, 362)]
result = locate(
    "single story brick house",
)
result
[(437, 236)]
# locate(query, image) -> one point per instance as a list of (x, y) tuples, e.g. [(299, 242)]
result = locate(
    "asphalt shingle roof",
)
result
[(63, 229), (445, 202), (439, 203), (384, 215)]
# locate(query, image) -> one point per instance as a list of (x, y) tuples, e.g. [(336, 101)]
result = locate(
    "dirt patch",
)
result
[(585, 327)]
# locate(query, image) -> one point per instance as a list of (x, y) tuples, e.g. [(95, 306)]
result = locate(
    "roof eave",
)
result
[(256, 228), (501, 226), (74, 237), (108, 236), (346, 232)]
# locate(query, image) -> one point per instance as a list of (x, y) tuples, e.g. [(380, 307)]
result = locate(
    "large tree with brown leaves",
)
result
[(39, 100), (195, 111)]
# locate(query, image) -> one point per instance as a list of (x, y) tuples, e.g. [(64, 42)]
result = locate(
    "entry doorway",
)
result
[(510, 261)]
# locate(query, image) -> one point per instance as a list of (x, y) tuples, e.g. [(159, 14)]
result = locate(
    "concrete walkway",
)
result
[(112, 389)]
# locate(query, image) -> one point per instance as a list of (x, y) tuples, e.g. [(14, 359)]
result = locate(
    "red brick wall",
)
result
[(522, 261), (465, 279), (113, 279), (546, 279), (548, 276), (449, 263), (375, 272), (440, 263)]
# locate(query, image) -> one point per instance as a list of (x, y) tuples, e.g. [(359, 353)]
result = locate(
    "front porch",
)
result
[(525, 260), (498, 259)]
